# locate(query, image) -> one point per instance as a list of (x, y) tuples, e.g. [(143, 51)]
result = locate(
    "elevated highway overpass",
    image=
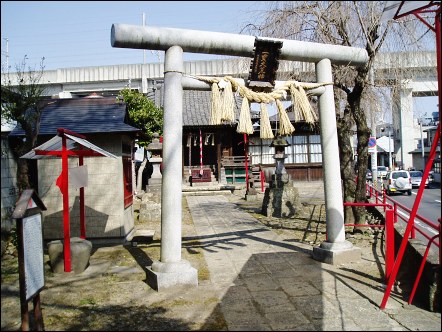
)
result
[(417, 72)]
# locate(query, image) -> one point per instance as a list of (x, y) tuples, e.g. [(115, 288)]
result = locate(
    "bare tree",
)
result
[(348, 23), (22, 101)]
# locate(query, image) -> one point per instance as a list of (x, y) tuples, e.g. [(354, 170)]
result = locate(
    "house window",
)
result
[(260, 151), (303, 149), (315, 150), (127, 176), (297, 151)]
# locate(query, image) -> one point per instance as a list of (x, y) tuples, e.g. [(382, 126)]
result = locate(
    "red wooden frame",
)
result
[(64, 153)]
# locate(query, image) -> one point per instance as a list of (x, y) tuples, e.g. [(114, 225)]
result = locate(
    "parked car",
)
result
[(427, 121), (416, 179), (369, 175), (382, 171), (397, 181), (431, 177)]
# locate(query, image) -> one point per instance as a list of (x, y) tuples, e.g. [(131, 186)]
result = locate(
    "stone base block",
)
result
[(336, 254), (281, 202), (251, 197), (161, 276), (201, 184), (80, 254)]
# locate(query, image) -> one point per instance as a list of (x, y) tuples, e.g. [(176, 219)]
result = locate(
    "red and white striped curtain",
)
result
[(201, 154)]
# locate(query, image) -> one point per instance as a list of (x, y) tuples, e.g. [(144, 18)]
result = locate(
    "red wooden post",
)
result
[(262, 181), (389, 242), (66, 221), (201, 154), (82, 212), (384, 200), (247, 161)]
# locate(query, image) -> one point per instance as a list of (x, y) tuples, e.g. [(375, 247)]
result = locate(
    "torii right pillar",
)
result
[(335, 250)]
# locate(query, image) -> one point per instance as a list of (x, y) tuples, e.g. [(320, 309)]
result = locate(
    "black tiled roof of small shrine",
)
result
[(83, 116)]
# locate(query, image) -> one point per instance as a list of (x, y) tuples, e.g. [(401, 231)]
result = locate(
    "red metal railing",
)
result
[(421, 268), (380, 195), (389, 232), (412, 233)]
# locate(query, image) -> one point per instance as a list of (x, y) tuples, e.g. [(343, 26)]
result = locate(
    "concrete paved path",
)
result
[(265, 283)]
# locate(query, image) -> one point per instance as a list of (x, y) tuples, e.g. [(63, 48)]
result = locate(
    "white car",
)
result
[(382, 171), (416, 179), (397, 181)]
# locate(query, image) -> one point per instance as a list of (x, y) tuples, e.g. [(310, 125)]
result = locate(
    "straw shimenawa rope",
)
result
[(301, 105), (228, 111), (265, 129), (245, 122), (223, 106), (285, 126), (215, 115)]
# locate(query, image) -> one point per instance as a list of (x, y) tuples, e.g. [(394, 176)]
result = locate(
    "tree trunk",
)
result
[(362, 148), (345, 134), (363, 134), (19, 148), (22, 175), (140, 175)]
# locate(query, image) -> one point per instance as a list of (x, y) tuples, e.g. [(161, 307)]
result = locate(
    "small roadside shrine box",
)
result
[(27, 212), (69, 144)]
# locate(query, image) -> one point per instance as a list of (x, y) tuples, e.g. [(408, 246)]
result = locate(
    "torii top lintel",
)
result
[(195, 41)]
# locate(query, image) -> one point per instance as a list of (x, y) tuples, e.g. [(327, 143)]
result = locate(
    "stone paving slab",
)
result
[(270, 284)]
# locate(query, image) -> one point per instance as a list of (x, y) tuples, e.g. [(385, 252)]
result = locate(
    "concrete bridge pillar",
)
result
[(403, 125)]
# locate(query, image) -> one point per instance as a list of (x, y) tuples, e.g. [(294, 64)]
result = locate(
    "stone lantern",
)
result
[(150, 207), (281, 199), (280, 177), (155, 148)]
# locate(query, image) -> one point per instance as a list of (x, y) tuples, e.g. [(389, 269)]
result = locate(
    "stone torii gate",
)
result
[(171, 269)]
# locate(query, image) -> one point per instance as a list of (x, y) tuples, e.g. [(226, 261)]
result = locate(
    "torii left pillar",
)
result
[(172, 269)]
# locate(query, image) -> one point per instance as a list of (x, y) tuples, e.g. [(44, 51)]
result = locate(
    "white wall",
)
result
[(106, 216)]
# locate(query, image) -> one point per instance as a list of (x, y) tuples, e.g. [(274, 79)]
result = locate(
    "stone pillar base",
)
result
[(336, 253), (161, 276), (80, 254)]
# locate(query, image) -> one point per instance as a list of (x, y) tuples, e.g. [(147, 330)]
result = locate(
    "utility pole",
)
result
[(390, 163), (422, 145), (374, 155)]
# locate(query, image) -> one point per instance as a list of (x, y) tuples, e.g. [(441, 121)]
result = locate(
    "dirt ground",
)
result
[(93, 302)]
